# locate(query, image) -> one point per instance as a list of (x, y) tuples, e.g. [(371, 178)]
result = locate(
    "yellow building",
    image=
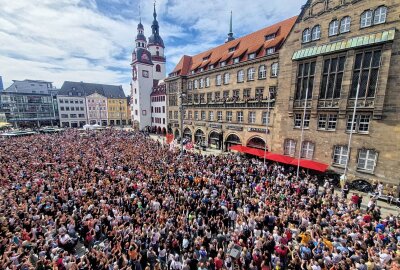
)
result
[(117, 111)]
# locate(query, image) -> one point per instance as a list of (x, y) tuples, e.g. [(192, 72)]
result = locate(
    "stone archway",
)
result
[(215, 139), (199, 136), (187, 133), (256, 142), (232, 139)]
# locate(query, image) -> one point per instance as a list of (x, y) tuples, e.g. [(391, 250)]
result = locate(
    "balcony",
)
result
[(328, 103), (232, 103), (367, 103), (301, 103)]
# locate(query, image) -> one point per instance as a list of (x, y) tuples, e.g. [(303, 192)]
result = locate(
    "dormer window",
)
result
[(232, 49), (211, 67), (270, 50), (252, 56), (206, 58), (192, 72), (236, 60), (201, 69), (223, 63), (270, 37)]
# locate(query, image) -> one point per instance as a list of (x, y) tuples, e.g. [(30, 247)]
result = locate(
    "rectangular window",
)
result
[(289, 147), (236, 60), (202, 98), (217, 96), (269, 37), (360, 125), (196, 115), (305, 80), (265, 118), (211, 116), (218, 79), (327, 121), (252, 117), (307, 150), (176, 114), (259, 93), (270, 50), (209, 97), (170, 114), (236, 93), (239, 117), (246, 93), (340, 155), (229, 116), (64, 115), (219, 115), (196, 98), (203, 115), (332, 76), (298, 117), (365, 74), (252, 56), (61, 108), (226, 94), (367, 160), (190, 115)]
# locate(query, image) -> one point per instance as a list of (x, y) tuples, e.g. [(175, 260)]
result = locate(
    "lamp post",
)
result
[(120, 112), (302, 134), (267, 124), (182, 111), (351, 133)]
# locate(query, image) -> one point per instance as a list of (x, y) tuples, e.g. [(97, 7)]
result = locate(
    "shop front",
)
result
[(215, 140)]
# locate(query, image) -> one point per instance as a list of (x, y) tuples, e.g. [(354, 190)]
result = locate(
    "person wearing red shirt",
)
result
[(218, 262)]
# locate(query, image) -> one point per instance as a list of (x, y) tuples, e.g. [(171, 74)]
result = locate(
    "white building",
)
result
[(148, 68), (96, 106), (72, 111), (158, 109)]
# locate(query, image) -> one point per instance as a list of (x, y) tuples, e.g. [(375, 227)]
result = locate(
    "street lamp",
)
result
[(120, 112), (302, 134), (182, 111)]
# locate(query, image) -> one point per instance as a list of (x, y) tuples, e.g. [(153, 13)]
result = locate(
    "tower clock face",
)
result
[(134, 73)]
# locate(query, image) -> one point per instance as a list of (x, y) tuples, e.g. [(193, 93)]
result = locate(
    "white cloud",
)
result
[(83, 40)]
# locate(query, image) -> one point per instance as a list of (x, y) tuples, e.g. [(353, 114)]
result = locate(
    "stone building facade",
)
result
[(335, 50), (226, 91)]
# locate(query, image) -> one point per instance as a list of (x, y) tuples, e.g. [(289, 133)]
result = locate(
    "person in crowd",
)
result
[(119, 200)]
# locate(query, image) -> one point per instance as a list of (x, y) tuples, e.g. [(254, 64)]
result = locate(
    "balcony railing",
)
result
[(361, 103), (328, 103), (301, 103)]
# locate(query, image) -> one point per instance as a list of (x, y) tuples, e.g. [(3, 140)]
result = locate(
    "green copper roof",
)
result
[(355, 42)]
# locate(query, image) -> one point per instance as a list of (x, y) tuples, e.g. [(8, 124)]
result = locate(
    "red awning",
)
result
[(248, 150), (309, 164), (279, 158)]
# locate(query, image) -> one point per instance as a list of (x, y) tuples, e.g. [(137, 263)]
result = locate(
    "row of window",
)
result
[(71, 101), (368, 18), (328, 121), (366, 158), (225, 78), (72, 116), (365, 76), (236, 96), (158, 99), (97, 108), (158, 109), (72, 108), (157, 120), (239, 116)]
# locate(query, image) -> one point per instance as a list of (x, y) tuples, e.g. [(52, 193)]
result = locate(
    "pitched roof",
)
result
[(86, 89), (247, 44)]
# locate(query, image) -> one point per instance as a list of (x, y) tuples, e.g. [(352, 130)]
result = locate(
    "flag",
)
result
[(170, 138)]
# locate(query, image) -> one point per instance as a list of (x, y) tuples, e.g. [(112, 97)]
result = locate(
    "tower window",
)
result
[(157, 53), (158, 68)]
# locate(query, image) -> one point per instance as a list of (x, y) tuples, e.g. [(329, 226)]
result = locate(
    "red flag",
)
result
[(170, 138)]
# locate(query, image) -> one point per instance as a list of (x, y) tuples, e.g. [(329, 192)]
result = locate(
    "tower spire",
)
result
[(140, 14), (154, 12), (230, 34)]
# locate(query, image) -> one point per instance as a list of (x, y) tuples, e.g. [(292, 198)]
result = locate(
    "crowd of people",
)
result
[(120, 200)]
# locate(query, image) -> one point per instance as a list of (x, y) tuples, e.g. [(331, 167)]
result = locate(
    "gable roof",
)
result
[(86, 89), (250, 43)]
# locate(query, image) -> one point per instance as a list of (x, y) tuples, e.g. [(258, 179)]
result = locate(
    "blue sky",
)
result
[(92, 40)]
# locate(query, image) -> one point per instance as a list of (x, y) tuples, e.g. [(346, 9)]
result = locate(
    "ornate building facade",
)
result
[(341, 59), (226, 90)]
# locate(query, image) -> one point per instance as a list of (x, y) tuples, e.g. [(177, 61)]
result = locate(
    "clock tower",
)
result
[(142, 81)]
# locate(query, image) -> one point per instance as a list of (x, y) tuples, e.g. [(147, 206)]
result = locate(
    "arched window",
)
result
[(250, 74), (306, 35), (316, 32), (226, 78), (334, 28), (366, 19), (380, 15), (158, 68), (262, 72), (240, 76), (345, 24)]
